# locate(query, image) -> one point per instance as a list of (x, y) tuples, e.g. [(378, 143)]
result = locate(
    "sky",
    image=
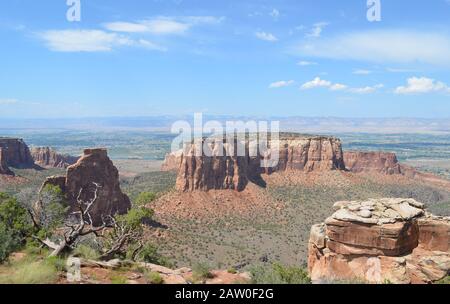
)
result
[(176, 57)]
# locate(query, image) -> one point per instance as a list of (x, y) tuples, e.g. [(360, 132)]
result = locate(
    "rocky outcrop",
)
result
[(222, 170), (172, 162), (380, 240), (16, 153), (49, 158), (4, 169), (372, 162), (94, 170)]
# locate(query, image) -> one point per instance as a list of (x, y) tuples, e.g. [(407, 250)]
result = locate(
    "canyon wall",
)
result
[(16, 153), (49, 158), (94, 170), (378, 241), (218, 170)]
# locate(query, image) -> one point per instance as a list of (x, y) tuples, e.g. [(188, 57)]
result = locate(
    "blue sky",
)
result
[(288, 57)]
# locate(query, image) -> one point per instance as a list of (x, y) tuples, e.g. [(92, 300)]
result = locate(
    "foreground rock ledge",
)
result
[(380, 240)]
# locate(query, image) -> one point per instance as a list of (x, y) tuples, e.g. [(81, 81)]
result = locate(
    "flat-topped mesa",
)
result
[(372, 162), (227, 171), (16, 153), (48, 158), (94, 169), (380, 240), (4, 169)]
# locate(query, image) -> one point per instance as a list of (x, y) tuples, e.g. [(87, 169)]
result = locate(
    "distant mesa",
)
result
[(220, 171), (372, 162), (48, 158), (16, 153), (296, 153), (380, 240), (93, 168)]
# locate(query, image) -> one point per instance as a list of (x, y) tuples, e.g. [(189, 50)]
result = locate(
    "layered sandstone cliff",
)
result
[(222, 169), (372, 162), (380, 240), (16, 153), (93, 172), (4, 169), (48, 158)]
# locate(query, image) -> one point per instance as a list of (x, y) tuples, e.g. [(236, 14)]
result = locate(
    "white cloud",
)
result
[(266, 36), (162, 25), (281, 84), (157, 27), (338, 87), (317, 29), (382, 46), (362, 72), (8, 101), (89, 41), (367, 89), (320, 83), (422, 85), (151, 46), (306, 63), (316, 83)]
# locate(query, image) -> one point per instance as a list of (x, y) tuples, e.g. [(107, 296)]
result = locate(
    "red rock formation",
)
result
[(4, 169), (380, 240), (49, 158), (220, 171), (94, 168), (372, 162), (16, 153), (212, 172)]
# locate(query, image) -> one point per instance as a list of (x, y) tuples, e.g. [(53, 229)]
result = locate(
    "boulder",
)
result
[(48, 158), (94, 170), (399, 242)]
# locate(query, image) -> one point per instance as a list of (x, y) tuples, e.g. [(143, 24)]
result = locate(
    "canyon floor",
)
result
[(257, 226), (264, 225)]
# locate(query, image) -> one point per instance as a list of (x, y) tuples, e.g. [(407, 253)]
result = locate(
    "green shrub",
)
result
[(58, 263), (149, 254), (232, 270), (445, 280), (87, 252), (201, 271), (145, 198), (7, 243), (53, 207), (15, 225), (154, 278), (31, 273), (279, 274), (118, 279)]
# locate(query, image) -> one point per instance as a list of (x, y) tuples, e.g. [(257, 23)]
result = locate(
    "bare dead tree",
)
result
[(82, 225), (119, 237)]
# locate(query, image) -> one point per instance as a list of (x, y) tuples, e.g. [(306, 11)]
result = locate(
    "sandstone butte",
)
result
[(379, 241), (93, 168), (221, 171), (296, 153), (48, 158), (16, 153)]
